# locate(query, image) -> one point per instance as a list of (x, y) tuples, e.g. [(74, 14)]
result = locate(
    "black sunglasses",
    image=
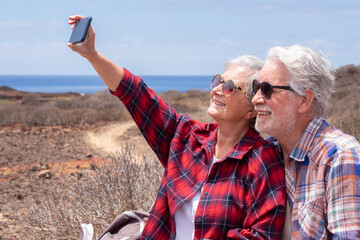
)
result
[(266, 88), (228, 86)]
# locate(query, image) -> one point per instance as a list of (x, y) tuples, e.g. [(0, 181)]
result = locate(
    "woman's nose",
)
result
[(217, 89)]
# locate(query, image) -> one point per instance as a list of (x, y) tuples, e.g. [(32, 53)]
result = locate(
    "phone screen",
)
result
[(80, 30)]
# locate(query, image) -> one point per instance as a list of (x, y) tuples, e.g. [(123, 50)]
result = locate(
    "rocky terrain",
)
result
[(36, 158)]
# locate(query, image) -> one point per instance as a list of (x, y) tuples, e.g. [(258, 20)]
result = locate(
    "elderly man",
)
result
[(322, 166)]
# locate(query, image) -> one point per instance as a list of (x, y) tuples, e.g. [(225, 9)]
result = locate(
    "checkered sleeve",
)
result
[(343, 191), (156, 119)]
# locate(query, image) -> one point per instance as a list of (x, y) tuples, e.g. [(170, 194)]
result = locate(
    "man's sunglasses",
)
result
[(266, 88), (228, 86)]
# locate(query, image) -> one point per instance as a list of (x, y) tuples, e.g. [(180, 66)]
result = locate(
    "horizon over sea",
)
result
[(90, 84)]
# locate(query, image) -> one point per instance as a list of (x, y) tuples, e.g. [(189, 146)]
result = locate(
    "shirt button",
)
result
[(198, 220), (206, 193)]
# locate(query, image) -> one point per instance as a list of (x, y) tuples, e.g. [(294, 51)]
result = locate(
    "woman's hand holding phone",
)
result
[(108, 71), (87, 47)]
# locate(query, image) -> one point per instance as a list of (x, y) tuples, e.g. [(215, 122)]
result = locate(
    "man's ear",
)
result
[(306, 101)]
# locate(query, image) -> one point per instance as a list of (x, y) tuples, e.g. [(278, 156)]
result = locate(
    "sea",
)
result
[(93, 83)]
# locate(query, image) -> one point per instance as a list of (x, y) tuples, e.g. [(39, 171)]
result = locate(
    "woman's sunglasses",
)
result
[(228, 86), (266, 88)]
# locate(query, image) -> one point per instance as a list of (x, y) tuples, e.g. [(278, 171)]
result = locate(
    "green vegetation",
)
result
[(5, 102)]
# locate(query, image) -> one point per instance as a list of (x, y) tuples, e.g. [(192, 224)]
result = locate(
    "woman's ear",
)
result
[(306, 101), (250, 114)]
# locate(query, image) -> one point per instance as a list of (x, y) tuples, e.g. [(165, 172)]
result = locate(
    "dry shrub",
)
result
[(124, 182), (347, 80), (343, 110), (88, 109), (193, 102), (201, 115), (32, 99), (43, 116), (10, 114), (347, 121)]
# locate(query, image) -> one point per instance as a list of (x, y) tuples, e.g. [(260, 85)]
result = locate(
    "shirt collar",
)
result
[(302, 147), (208, 141), (245, 144)]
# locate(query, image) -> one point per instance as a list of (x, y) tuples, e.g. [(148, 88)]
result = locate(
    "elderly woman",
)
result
[(221, 180)]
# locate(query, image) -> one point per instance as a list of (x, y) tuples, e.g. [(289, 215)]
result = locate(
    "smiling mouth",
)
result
[(263, 113), (219, 103)]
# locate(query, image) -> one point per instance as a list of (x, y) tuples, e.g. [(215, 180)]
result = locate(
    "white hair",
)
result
[(308, 70), (250, 62)]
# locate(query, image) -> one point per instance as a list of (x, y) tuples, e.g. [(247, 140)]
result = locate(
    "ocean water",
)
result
[(91, 84)]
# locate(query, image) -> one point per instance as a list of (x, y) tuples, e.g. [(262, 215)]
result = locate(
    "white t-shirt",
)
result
[(185, 215)]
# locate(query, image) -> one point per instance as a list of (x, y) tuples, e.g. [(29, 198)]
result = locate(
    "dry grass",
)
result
[(343, 110), (121, 183), (88, 109)]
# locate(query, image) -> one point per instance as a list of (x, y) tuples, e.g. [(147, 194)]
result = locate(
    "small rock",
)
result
[(34, 169), (20, 196), (92, 166), (45, 174), (44, 166), (79, 175)]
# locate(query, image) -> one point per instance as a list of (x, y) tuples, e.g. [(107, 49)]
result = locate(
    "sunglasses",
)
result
[(266, 88), (228, 86)]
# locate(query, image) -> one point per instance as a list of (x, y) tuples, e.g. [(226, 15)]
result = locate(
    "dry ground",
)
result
[(33, 159)]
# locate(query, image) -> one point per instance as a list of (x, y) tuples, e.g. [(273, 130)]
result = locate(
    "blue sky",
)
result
[(173, 37)]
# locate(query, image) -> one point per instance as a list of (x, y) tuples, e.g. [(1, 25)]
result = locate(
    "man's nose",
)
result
[(258, 98)]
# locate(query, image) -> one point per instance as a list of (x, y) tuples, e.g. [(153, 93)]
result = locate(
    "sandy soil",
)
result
[(33, 159)]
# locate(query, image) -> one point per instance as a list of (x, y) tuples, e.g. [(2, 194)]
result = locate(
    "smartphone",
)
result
[(80, 30)]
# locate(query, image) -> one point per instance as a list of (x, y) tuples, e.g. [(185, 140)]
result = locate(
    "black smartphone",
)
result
[(80, 30)]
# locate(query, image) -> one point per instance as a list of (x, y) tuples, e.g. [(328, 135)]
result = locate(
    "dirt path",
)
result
[(110, 138), (107, 138)]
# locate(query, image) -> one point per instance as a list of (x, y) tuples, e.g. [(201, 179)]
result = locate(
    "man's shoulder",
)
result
[(335, 146), (332, 136)]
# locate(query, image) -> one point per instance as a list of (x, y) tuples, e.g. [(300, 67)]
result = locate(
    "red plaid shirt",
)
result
[(243, 194)]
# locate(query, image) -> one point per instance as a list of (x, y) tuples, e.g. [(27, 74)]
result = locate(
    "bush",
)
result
[(44, 116), (10, 114), (35, 110), (123, 182), (347, 122), (32, 99)]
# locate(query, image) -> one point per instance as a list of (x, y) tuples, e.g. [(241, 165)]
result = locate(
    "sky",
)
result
[(173, 37)]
